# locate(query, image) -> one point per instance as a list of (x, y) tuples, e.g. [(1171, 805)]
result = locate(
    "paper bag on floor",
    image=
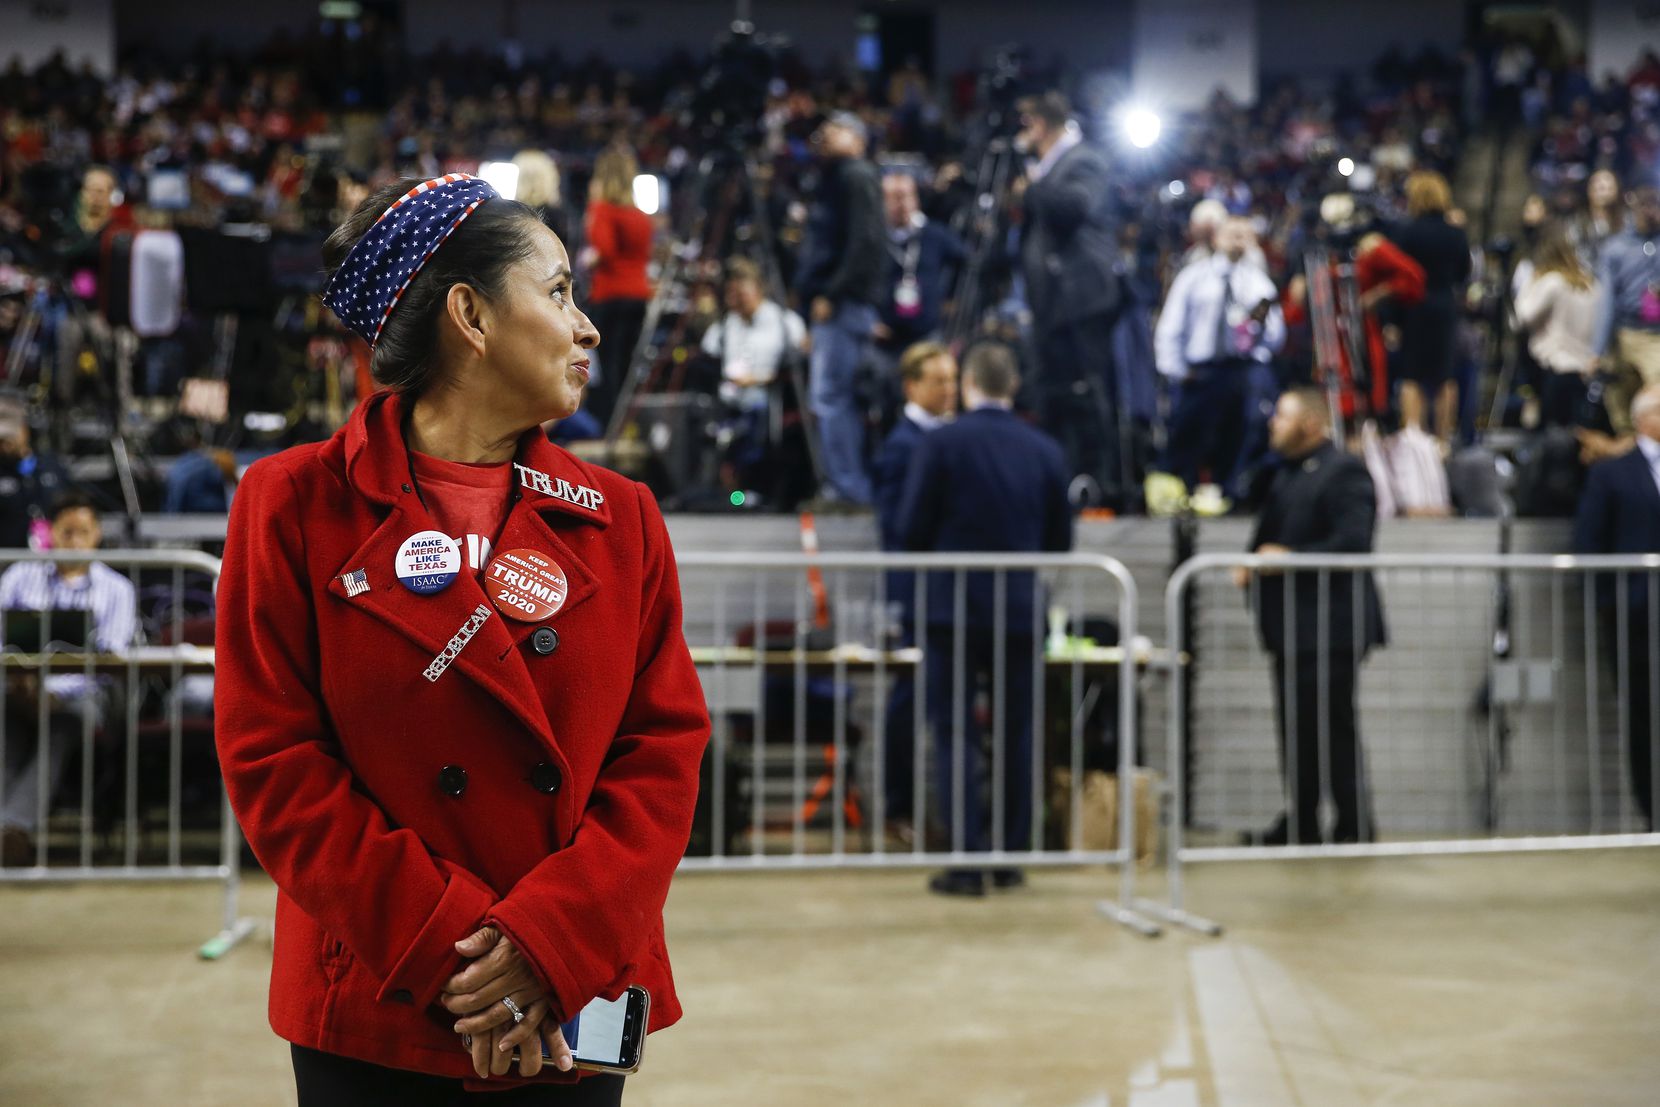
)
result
[(1099, 815)]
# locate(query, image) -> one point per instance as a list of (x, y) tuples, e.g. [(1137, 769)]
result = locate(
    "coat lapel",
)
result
[(458, 628), (466, 635)]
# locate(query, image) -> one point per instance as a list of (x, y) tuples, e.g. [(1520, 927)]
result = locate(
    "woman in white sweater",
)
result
[(1557, 308)]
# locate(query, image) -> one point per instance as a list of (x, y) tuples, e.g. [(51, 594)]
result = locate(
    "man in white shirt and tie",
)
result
[(1619, 513), (1219, 329)]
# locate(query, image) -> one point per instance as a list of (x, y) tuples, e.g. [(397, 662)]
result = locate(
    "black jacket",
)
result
[(987, 482), (845, 248), (938, 253), (1324, 503), (1441, 248), (1067, 245), (1619, 513)]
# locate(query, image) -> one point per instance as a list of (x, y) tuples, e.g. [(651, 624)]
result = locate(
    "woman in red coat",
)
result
[(619, 250), (456, 715)]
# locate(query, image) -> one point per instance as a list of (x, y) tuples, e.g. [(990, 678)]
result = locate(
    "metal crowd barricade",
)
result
[(799, 655), (139, 694), (1504, 713)]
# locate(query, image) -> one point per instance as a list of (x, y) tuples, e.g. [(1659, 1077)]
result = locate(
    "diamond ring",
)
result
[(518, 1015)]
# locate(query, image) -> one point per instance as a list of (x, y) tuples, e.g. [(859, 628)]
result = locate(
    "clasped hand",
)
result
[(498, 971)]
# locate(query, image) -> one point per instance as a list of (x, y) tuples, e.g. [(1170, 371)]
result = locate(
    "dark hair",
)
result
[(1051, 107), (993, 369), (492, 240), (73, 500)]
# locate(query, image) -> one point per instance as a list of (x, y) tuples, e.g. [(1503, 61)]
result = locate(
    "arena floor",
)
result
[(1403, 981)]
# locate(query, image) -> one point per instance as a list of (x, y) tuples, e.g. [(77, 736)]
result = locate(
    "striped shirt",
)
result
[(105, 593)]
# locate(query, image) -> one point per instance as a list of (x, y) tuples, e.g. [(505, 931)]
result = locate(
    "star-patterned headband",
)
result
[(372, 279)]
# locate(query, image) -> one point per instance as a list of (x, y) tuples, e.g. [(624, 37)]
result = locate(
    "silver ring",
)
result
[(518, 1015)]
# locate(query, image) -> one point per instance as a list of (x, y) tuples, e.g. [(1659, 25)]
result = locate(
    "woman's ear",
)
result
[(467, 313)]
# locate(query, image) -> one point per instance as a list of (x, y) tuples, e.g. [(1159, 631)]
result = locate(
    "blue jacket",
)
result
[(1619, 513), (893, 462), (939, 254), (987, 482)]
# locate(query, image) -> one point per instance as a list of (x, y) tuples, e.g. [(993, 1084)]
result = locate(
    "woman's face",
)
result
[(538, 349)]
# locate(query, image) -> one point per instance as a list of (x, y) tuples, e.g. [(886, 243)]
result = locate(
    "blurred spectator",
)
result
[(987, 482), (840, 276), (619, 249), (111, 602), (1429, 328), (923, 258), (1221, 323), (29, 482), (1620, 514), (1602, 219), (539, 190), (1557, 308), (201, 481), (1627, 336), (1067, 252), (752, 340), (928, 375)]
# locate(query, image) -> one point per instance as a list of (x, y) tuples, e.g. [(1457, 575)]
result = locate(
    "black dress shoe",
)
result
[(1008, 879), (958, 882), (1276, 835)]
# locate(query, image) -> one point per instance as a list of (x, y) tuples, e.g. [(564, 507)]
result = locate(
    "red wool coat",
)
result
[(408, 767)]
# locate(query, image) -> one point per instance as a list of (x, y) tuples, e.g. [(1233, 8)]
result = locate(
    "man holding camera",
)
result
[(1066, 252), (840, 277)]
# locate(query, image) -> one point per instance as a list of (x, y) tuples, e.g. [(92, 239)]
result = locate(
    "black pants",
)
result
[(327, 1080), (1077, 404), (1320, 745), (1638, 682), (1210, 423), (945, 700), (619, 323), (899, 731)]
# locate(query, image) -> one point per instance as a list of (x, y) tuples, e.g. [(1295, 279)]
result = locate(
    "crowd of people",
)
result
[(895, 213)]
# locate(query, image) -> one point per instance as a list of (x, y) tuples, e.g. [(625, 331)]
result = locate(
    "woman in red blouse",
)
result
[(619, 248)]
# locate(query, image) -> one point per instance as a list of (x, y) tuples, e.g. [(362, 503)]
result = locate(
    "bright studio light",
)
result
[(503, 176), (1345, 166), (648, 193), (1177, 188), (1141, 127)]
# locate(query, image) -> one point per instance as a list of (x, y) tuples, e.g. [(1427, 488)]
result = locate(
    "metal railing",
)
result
[(1533, 726), (797, 652), (142, 692)]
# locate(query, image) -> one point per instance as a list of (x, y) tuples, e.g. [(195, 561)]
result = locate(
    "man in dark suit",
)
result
[(987, 482), (1619, 513), (928, 376), (1321, 500), (1067, 249)]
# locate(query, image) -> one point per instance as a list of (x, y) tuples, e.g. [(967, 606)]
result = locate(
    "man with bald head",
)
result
[(1620, 514)]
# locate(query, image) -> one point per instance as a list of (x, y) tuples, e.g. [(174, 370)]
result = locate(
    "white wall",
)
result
[(34, 30), (1184, 50), (1620, 31)]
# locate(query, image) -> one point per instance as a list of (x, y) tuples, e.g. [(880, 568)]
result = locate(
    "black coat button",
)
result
[(452, 780), (545, 778), (545, 640), (402, 995)]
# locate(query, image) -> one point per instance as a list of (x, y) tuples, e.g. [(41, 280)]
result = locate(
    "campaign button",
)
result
[(428, 562), (526, 585)]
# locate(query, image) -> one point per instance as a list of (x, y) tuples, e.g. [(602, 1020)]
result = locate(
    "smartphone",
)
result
[(608, 1035)]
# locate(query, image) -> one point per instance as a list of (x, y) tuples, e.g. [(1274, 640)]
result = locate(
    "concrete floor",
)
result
[(1444, 981)]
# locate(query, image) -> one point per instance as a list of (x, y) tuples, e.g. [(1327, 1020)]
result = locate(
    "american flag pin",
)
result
[(356, 581)]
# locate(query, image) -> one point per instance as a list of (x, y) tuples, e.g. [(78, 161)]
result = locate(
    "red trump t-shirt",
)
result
[(469, 502)]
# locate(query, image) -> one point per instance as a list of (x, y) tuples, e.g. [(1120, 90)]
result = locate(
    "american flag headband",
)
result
[(377, 271)]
